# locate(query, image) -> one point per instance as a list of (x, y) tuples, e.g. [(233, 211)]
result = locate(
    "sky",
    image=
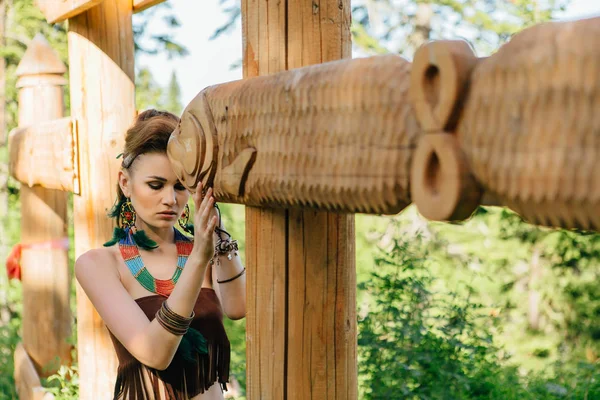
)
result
[(208, 62)]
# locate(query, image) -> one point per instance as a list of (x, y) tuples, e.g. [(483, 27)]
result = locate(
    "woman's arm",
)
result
[(147, 341), (232, 295)]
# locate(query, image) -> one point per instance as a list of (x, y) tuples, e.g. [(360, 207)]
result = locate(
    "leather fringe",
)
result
[(181, 382)]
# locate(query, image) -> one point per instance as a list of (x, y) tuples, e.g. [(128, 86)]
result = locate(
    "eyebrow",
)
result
[(158, 178)]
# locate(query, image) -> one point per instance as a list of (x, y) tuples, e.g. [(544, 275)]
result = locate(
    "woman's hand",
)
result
[(204, 224)]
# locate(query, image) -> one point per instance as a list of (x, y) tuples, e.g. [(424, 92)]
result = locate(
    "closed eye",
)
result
[(158, 186)]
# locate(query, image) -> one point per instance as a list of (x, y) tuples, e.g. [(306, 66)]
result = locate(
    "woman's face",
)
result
[(157, 196)]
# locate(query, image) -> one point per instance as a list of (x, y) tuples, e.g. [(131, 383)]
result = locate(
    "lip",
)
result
[(167, 214)]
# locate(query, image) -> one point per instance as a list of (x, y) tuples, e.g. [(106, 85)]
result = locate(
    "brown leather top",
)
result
[(210, 368)]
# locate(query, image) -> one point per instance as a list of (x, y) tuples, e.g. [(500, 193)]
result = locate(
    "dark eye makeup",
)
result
[(159, 185)]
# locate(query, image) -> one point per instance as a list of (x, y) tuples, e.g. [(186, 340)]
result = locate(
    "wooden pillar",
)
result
[(45, 269), (101, 62), (301, 320)]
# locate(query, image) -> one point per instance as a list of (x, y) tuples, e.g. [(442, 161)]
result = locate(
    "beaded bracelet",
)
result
[(173, 322), (224, 246), (234, 278)]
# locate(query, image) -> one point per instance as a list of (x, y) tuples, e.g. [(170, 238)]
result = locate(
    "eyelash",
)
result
[(159, 186)]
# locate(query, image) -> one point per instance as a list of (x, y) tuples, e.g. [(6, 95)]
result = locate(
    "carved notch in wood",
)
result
[(442, 186)]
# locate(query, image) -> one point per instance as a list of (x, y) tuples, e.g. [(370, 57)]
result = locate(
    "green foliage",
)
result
[(23, 22), (173, 96), (64, 384), (161, 41), (541, 280), (423, 335), (402, 26), (148, 93), (10, 324)]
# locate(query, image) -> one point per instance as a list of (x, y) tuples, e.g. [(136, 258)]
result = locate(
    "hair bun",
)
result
[(151, 113)]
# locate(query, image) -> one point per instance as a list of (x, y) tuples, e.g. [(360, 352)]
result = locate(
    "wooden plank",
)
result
[(29, 386), (322, 276), (60, 10), (263, 25), (45, 269), (316, 262), (45, 154), (141, 5), (101, 62), (266, 303), (321, 306)]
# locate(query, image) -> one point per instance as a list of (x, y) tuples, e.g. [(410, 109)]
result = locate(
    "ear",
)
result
[(125, 182)]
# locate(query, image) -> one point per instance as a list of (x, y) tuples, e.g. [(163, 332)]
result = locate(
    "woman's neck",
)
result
[(162, 236)]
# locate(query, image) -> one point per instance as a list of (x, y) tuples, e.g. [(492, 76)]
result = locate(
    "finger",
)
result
[(201, 205), (198, 196), (201, 217), (206, 196), (210, 227), (205, 214)]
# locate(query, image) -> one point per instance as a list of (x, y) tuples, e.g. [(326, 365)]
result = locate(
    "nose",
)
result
[(170, 196)]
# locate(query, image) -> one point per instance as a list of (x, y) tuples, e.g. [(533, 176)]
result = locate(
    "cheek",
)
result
[(144, 198)]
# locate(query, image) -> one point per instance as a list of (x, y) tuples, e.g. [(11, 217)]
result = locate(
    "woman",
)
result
[(161, 293)]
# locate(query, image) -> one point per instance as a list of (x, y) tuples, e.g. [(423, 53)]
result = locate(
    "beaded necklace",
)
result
[(133, 260)]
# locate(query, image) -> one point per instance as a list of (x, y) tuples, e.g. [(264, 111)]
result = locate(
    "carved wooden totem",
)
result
[(373, 135), (529, 131), (336, 136)]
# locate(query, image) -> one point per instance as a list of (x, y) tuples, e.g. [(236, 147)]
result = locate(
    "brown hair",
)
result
[(149, 134)]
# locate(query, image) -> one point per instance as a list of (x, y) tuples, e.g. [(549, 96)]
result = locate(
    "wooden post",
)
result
[(45, 270), (27, 380), (101, 62), (301, 320)]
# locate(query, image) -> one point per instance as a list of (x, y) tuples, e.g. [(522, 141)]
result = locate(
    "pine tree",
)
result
[(148, 94), (173, 96)]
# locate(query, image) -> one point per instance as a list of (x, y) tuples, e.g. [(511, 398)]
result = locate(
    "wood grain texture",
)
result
[(530, 127), (45, 278), (101, 60), (266, 229), (528, 130), (338, 136), (60, 10), (141, 5), (29, 386), (43, 154), (301, 264), (321, 244)]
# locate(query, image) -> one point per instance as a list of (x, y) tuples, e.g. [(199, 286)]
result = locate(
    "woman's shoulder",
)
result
[(103, 258)]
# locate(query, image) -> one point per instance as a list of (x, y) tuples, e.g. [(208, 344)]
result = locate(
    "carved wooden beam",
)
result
[(450, 132), (60, 10), (528, 132), (335, 136), (29, 386), (46, 154), (141, 5)]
